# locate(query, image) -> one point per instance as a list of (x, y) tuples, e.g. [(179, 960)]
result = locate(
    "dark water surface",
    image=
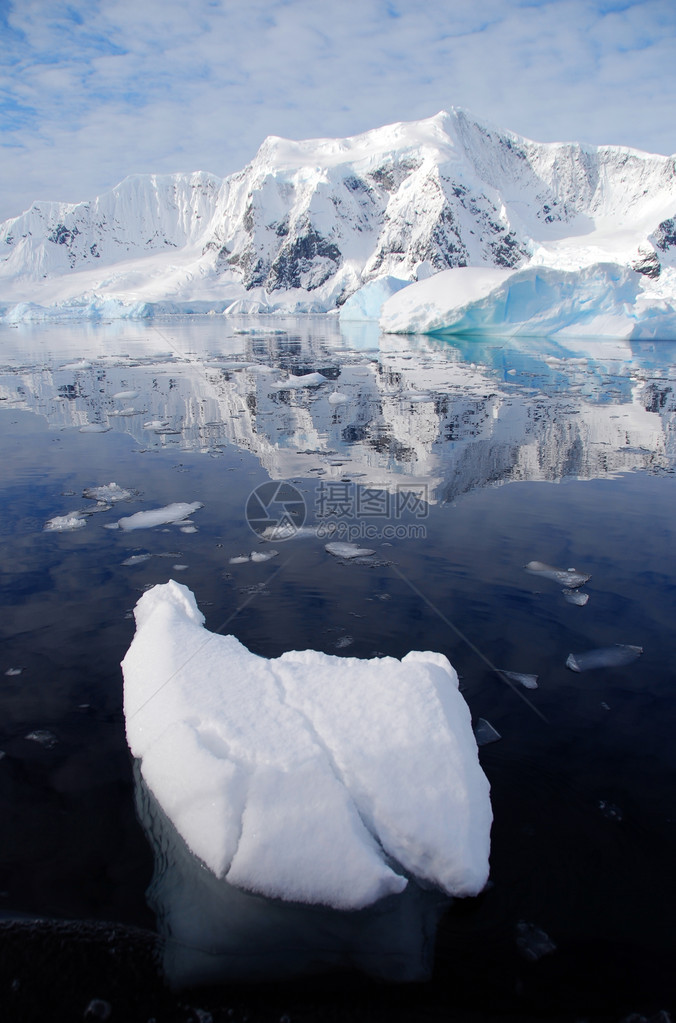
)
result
[(457, 464)]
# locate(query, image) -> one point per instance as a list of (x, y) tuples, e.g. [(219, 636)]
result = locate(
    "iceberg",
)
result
[(310, 778), (177, 512), (599, 300), (367, 302)]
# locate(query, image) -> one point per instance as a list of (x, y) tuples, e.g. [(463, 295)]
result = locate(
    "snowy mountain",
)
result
[(306, 224)]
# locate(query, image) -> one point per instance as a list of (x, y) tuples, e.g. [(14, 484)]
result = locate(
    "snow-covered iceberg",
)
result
[(601, 300), (308, 778)]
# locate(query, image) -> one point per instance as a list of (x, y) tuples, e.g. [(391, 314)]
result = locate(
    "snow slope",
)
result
[(308, 223)]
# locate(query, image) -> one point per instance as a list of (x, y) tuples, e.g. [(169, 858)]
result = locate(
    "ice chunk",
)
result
[(527, 681), (310, 777), (109, 492), (65, 523), (137, 559), (605, 657), (263, 555), (336, 398), (95, 428), (43, 737), (347, 550), (159, 516), (240, 559), (126, 395), (568, 577), (188, 529), (343, 641), (14, 671), (576, 597), (484, 733)]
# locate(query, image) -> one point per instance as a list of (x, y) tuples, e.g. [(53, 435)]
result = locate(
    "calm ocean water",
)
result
[(457, 463)]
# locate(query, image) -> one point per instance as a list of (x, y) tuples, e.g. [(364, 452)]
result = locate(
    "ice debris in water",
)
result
[(95, 428), (126, 395), (567, 577), (308, 777), (348, 550), (609, 810), (65, 523), (189, 529), (136, 559), (343, 641), (484, 733), (109, 492), (157, 516), (336, 398), (576, 597), (605, 657), (533, 942), (527, 681), (44, 737), (255, 556), (13, 671)]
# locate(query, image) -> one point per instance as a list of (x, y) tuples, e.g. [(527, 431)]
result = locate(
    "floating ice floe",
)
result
[(65, 523), (136, 559), (336, 398), (14, 671), (43, 737), (348, 550), (484, 733), (309, 778), (605, 657), (525, 680), (177, 512), (110, 493), (568, 577), (126, 395), (576, 597)]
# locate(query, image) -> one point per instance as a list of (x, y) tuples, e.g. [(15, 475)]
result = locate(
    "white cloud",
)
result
[(99, 89)]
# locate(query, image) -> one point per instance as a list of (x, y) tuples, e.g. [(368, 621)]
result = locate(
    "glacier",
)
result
[(308, 225), (310, 778)]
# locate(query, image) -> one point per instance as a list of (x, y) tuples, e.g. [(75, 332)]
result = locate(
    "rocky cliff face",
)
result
[(317, 219)]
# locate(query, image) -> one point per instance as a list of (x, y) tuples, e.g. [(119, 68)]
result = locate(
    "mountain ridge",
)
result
[(306, 223)]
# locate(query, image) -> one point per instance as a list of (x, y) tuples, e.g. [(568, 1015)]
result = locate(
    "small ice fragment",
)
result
[(65, 523), (110, 492), (604, 705), (158, 516), (136, 559), (609, 810), (13, 671), (156, 424), (567, 577), (347, 550), (343, 641), (189, 529), (129, 411), (336, 398), (575, 597), (263, 555), (179, 568), (126, 395), (605, 657), (484, 733), (241, 559), (44, 737), (527, 681), (2, 754), (94, 428), (532, 942)]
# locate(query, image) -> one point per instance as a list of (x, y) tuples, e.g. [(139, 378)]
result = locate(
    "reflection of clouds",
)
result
[(416, 411), (214, 932)]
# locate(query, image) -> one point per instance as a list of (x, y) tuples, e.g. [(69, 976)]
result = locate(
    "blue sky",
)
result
[(92, 91)]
